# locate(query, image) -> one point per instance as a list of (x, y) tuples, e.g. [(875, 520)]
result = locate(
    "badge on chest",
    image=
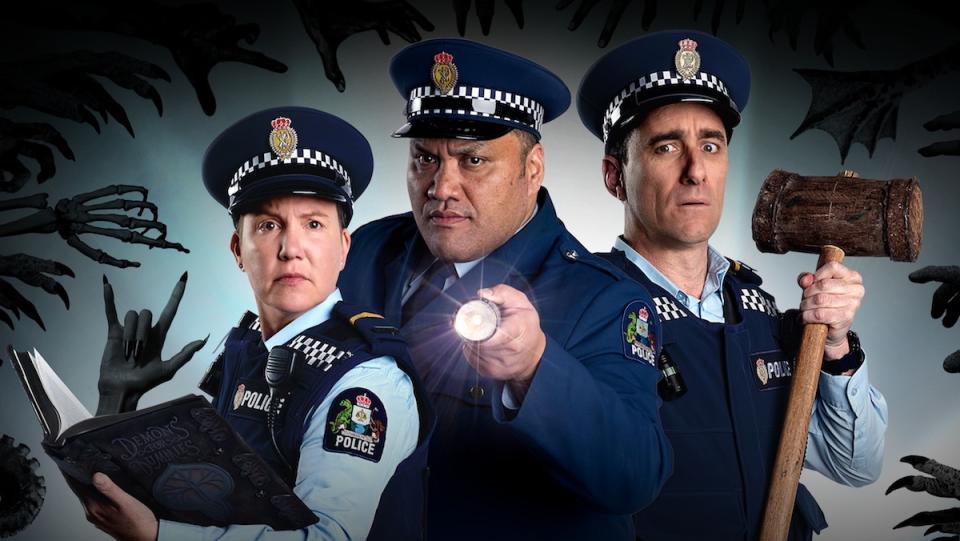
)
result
[(251, 399), (771, 369)]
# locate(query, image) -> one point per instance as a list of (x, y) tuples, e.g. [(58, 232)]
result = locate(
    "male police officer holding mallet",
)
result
[(549, 428), (349, 430), (665, 106)]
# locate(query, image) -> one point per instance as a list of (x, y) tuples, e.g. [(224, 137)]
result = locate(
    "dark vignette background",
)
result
[(905, 347)]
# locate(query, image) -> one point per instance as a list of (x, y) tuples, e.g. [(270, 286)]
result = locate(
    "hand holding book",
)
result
[(119, 514), (182, 460)]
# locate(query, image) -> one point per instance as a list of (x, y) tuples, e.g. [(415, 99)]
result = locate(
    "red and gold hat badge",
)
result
[(283, 138), (444, 72), (687, 59)]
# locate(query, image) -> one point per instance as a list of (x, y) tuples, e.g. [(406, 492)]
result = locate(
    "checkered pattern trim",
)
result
[(667, 309), (319, 354), (752, 299), (653, 80), (301, 156), (484, 103)]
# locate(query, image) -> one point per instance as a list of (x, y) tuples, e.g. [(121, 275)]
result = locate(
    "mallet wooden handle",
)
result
[(793, 440)]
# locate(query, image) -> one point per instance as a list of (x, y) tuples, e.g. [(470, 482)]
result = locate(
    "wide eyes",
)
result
[(665, 148), (711, 148)]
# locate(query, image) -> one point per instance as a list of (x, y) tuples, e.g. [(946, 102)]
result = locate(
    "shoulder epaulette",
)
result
[(744, 272), (249, 321), (371, 325), (578, 254)]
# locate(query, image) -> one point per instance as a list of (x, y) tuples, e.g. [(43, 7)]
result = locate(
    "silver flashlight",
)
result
[(477, 320)]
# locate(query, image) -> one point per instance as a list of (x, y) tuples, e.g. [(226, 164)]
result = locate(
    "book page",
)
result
[(55, 405)]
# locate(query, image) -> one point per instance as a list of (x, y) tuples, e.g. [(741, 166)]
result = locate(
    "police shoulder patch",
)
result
[(356, 425), (638, 328)]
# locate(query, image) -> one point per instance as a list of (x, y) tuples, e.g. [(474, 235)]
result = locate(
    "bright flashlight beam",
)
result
[(477, 320)]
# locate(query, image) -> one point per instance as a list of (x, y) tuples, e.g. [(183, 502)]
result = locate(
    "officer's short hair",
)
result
[(618, 144), (527, 142)]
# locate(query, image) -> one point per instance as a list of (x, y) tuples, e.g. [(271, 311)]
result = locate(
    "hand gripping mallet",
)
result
[(832, 216)]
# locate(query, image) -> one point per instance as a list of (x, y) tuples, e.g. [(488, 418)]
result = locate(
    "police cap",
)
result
[(658, 69), (457, 88), (287, 151)]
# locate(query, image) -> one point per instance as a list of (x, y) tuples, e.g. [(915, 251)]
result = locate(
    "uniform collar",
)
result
[(467, 266), (717, 267), (311, 318)]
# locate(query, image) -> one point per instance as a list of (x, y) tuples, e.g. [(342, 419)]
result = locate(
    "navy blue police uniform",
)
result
[(301, 151), (725, 429), (585, 448)]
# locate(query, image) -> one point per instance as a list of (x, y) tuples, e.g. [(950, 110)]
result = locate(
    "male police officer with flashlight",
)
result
[(549, 428)]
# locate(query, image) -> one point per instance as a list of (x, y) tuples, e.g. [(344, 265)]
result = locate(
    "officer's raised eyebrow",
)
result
[(705, 133)]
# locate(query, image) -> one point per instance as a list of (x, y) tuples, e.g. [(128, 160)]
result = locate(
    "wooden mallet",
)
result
[(830, 216)]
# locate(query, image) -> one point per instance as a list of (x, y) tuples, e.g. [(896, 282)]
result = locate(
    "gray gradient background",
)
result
[(905, 347)]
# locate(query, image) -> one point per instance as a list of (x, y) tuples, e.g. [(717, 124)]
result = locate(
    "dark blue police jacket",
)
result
[(586, 447), (401, 513), (726, 428)]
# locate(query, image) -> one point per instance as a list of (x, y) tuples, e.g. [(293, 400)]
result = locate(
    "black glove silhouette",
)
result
[(33, 272), (329, 23), (26, 140), (946, 301), (62, 85), (832, 17), (485, 13), (198, 35), (613, 16), (131, 363), (943, 148)]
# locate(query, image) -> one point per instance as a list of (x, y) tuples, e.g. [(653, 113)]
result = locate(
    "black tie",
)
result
[(430, 288)]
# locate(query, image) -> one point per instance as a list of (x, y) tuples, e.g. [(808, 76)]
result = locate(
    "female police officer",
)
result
[(289, 176)]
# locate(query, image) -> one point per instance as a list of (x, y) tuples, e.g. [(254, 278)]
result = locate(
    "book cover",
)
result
[(179, 458)]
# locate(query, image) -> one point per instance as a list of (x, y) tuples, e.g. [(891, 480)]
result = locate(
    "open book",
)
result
[(180, 458)]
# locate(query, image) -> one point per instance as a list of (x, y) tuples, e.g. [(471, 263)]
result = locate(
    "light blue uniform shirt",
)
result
[(342, 490), (846, 434)]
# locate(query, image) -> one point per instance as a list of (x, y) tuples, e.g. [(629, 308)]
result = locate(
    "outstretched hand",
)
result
[(329, 23), (950, 121), (945, 303), (613, 16), (132, 363), (485, 13), (513, 353), (28, 140)]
